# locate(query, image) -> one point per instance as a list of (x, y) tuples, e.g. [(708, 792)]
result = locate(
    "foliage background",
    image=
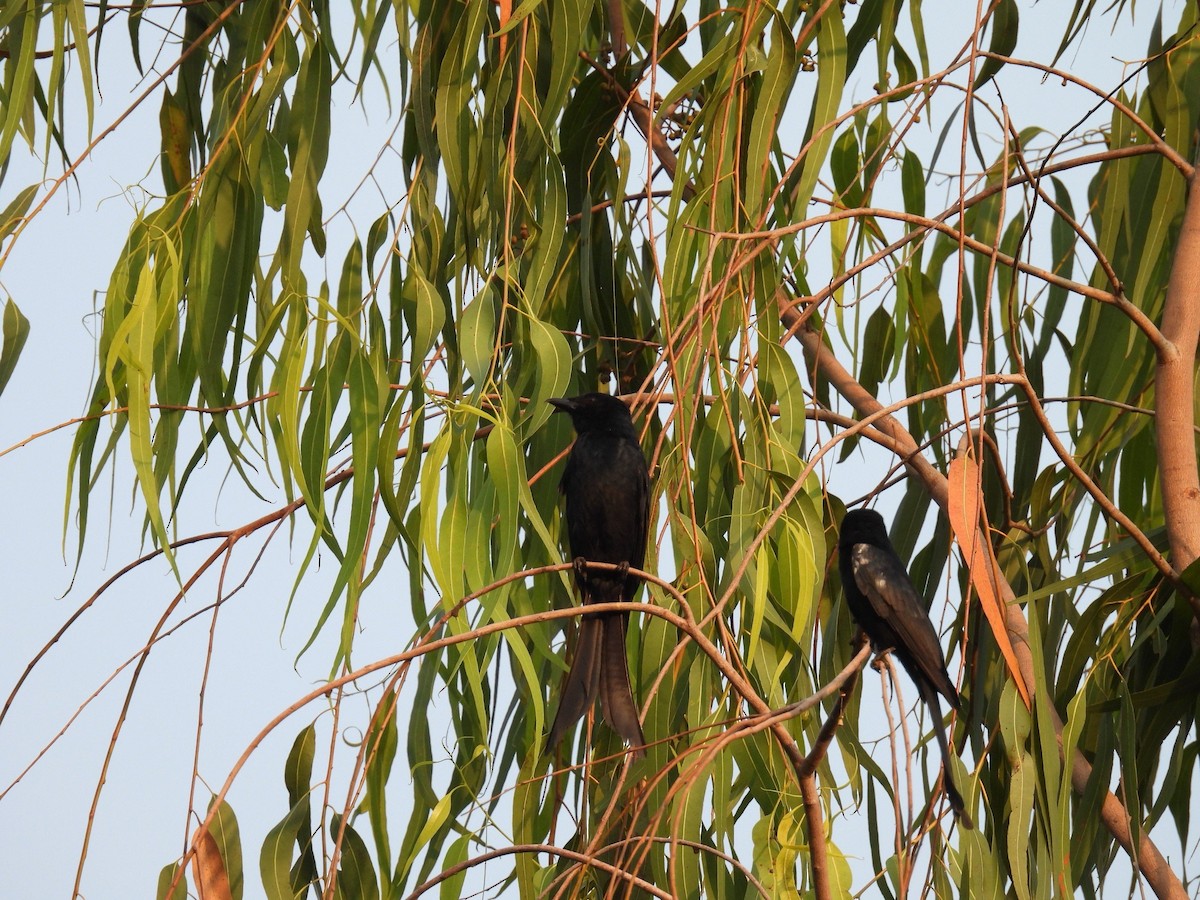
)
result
[(319, 323)]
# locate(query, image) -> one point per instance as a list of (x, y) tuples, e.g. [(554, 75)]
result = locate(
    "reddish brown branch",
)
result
[(582, 858), (813, 814), (924, 224), (1175, 403)]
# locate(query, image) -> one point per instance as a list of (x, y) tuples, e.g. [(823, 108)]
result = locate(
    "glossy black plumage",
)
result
[(606, 486), (885, 604)]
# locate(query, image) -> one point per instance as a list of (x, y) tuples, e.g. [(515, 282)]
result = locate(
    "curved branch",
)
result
[(538, 848), (1156, 141), (925, 224)]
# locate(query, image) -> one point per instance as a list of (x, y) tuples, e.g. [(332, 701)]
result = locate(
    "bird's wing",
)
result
[(642, 523), (882, 579)]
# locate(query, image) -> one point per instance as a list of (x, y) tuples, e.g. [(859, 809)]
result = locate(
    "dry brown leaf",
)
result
[(966, 518), (208, 868)]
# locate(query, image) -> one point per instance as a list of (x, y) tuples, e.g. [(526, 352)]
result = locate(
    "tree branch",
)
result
[(1175, 403), (818, 851)]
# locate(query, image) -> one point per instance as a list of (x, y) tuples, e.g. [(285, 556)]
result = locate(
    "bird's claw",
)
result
[(580, 565)]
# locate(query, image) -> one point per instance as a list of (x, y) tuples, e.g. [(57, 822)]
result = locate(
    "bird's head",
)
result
[(595, 412), (863, 526)]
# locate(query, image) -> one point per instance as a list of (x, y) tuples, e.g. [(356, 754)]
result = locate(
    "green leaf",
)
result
[(506, 471), (547, 244), (1005, 22), (477, 335), (272, 173), (437, 817), (831, 81), (165, 876), (356, 879), (222, 270), (297, 774), (778, 77), (225, 834), (16, 331), (297, 777), (912, 184), (133, 348), (275, 858), (382, 743), (21, 26), (459, 850), (456, 84), (553, 373), (1015, 726), (174, 124), (430, 314), (14, 214)]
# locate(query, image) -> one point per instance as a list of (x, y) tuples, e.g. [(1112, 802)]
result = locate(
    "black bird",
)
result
[(885, 604), (607, 489)]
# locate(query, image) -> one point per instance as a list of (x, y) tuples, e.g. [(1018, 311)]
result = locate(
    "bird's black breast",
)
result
[(607, 491)]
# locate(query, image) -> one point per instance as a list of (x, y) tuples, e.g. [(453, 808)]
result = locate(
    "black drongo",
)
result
[(886, 605), (607, 489)]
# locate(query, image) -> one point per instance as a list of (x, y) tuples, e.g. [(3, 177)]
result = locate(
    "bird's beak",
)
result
[(562, 404)]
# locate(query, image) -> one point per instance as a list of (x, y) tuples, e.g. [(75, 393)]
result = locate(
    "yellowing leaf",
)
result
[(965, 512)]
